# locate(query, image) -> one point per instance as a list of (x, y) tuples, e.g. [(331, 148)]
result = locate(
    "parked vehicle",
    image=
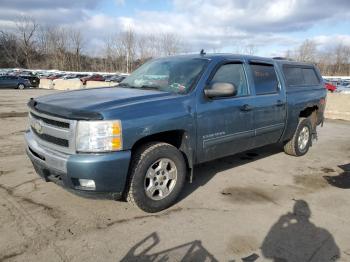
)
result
[(11, 81), (330, 87), (343, 89), (73, 76), (92, 78), (116, 79), (107, 78), (34, 80), (54, 76), (142, 139)]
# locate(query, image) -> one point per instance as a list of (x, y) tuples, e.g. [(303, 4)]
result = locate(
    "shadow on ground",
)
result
[(192, 251), (342, 180), (205, 172), (294, 238)]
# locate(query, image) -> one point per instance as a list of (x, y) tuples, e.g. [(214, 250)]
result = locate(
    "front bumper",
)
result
[(108, 170)]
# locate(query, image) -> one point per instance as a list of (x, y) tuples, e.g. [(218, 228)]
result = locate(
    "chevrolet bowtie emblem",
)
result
[(38, 127)]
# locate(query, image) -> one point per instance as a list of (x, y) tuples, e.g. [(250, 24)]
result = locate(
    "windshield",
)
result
[(175, 75)]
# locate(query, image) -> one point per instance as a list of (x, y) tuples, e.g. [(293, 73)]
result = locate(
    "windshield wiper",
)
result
[(149, 87), (145, 87), (125, 85)]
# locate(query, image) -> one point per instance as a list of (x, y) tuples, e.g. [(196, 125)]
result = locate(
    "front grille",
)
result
[(53, 132), (51, 121), (51, 139)]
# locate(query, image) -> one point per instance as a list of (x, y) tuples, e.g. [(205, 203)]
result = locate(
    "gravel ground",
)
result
[(254, 206)]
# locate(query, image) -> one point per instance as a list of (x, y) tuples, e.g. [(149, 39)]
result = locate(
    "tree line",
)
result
[(334, 61), (35, 46)]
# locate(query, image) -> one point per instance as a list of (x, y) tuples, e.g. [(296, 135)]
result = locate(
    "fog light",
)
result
[(87, 183)]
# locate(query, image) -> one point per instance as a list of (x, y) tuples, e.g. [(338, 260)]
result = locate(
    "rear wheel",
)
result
[(301, 141), (157, 177), (21, 86)]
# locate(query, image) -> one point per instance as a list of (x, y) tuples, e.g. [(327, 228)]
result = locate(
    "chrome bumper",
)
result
[(45, 156)]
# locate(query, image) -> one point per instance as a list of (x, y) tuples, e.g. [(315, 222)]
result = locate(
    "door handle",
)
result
[(246, 108), (280, 103)]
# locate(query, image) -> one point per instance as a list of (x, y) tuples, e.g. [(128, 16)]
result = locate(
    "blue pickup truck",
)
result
[(140, 140)]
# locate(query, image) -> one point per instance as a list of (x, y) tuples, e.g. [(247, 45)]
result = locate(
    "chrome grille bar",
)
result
[(53, 132)]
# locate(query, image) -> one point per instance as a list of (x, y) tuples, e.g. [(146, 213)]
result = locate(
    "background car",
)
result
[(8, 81), (92, 78), (115, 78), (330, 87), (34, 80), (55, 76), (343, 89)]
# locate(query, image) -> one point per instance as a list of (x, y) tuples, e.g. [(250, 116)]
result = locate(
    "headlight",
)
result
[(99, 136)]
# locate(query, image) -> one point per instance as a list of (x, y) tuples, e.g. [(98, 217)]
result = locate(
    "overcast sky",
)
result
[(273, 26)]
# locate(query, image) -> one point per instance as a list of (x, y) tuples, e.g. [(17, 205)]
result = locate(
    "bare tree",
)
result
[(128, 42), (147, 47), (76, 41), (307, 51), (10, 54), (170, 44), (26, 28), (342, 59)]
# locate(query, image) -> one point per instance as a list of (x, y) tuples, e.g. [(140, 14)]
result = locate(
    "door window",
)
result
[(234, 74), (265, 79)]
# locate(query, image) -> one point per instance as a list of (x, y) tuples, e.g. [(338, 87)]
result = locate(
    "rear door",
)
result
[(269, 103), (2, 81), (6, 82), (225, 125), (13, 81)]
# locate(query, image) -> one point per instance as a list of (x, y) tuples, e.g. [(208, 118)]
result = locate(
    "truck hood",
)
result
[(89, 104)]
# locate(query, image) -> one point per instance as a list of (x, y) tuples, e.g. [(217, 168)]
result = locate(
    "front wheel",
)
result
[(301, 140), (157, 177), (21, 86)]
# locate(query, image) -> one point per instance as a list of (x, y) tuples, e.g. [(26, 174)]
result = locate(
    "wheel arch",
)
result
[(178, 138)]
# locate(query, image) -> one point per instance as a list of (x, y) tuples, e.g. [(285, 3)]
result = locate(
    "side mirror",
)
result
[(221, 89)]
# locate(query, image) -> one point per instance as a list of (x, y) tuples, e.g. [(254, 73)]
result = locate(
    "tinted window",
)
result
[(310, 76), (265, 79), (298, 76), (294, 76), (234, 74)]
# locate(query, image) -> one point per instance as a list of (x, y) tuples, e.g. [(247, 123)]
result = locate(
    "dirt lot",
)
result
[(255, 206)]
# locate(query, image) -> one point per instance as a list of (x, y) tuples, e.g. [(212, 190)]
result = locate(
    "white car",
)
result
[(343, 89)]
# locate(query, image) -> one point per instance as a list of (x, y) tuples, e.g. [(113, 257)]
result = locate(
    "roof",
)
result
[(222, 56)]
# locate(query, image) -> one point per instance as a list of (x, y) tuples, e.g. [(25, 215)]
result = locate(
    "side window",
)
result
[(265, 79), (299, 76), (310, 76), (294, 76), (234, 74)]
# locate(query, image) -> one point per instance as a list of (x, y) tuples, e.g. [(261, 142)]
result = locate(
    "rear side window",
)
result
[(294, 76), (298, 76), (265, 79), (310, 76)]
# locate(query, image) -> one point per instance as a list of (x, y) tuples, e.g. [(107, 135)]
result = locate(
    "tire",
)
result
[(21, 86), (152, 164), (301, 141)]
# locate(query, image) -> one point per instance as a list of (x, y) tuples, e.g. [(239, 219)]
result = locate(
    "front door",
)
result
[(225, 125)]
